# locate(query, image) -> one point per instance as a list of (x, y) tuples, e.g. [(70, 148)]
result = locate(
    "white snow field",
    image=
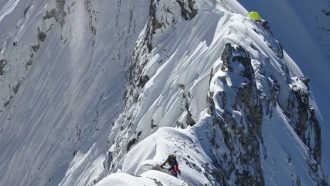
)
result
[(66, 117)]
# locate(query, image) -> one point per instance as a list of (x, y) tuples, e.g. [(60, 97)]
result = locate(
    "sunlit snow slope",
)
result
[(303, 27), (99, 92), (240, 125)]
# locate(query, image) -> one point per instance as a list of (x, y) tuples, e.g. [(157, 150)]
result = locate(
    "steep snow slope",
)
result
[(91, 88), (303, 28), (247, 114), (62, 86)]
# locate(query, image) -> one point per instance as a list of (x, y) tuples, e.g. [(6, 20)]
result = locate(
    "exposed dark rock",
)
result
[(225, 56), (156, 21), (92, 15), (265, 25), (246, 62), (143, 80), (279, 50), (143, 49), (16, 87), (188, 8), (180, 125), (36, 47), (26, 10), (51, 14), (6, 103), (61, 13), (3, 63), (57, 13), (210, 101), (109, 160), (29, 63), (74, 152), (189, 120), (131, 143), (153, 125), (41, 35), (241, 136), (304, 122), (274, 94), (152, 25)]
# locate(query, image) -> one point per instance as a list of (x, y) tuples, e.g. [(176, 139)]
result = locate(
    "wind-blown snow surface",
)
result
[(184, 65), (63, 96)]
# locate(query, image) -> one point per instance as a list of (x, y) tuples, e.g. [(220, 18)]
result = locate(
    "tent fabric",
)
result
[(254, 15)]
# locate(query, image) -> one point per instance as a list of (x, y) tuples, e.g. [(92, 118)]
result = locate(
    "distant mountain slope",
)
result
[(62, 85)]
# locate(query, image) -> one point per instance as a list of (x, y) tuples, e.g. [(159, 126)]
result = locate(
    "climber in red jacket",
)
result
[(174, 166)]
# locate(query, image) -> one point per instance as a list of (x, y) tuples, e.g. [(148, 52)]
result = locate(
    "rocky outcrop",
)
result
[(238, 109), (92, 14), (3, 64), (163, 16), (58, 13), (188, 9), (303, 118), (239, 118)]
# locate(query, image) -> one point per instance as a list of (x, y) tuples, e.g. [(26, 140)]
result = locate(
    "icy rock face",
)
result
[(303, 118), (188, 9), (163, 16), (57, 12), (238, 113), (238, 110), (3, 64)]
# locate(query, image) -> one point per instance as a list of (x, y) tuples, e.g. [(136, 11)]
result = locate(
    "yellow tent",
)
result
[(254, 15)]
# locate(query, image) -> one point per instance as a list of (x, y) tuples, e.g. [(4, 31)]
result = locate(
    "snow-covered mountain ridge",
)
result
[(303, 29), (113, 87)]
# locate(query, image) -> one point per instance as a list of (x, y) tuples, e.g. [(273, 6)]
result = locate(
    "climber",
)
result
[(174, 166)]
